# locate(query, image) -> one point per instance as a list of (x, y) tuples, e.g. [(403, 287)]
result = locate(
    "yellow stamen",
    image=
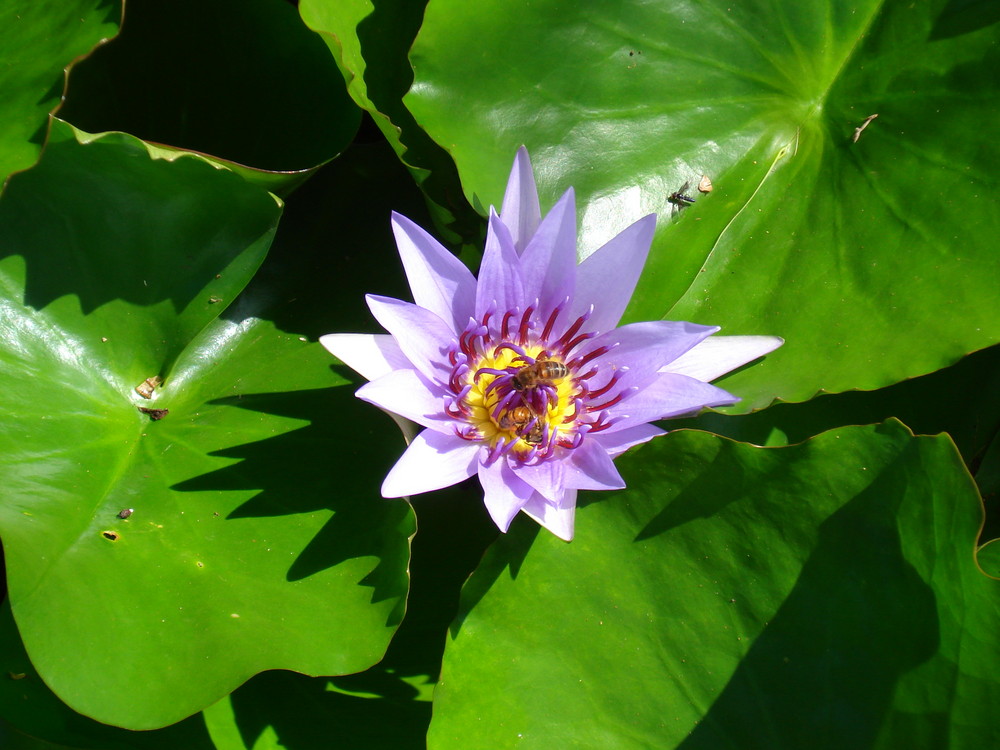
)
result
[(510, 426)]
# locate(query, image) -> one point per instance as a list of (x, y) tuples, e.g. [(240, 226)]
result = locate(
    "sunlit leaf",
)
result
[(38, 40), (230, 532), (874, 259), (32, 711)]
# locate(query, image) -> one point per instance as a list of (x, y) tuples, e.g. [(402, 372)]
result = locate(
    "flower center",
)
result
[(524, 392)]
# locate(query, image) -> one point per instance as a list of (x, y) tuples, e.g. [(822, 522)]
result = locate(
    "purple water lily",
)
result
[(521, 376)]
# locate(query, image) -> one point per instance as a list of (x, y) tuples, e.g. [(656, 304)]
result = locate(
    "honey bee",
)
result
[(518, 419), (535, 434), (544, 371)]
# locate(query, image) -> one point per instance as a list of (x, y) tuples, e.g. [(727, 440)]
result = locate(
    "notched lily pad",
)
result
[(38, 41), (109, 256), (242, 81)]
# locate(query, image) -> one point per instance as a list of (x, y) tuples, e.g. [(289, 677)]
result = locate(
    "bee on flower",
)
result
[(521, 376)]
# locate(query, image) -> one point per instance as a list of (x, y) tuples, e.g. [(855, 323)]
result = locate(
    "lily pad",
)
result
[(874, 257), (285, 710), (989, 558), (241, 81), (37, 720), (38, 40), (370, 42), (822, 595), (210, 531)]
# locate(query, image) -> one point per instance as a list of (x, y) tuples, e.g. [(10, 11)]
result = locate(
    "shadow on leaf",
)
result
[(336, 463), (507, 553), (306, 713), (859, 617)]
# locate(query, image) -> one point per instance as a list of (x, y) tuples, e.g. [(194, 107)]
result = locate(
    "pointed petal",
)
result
[(432, 461), (560, 520), (440, 282), (370, 355), (670, 395), (547, 478), (520, 211), (500, 283), (422, 336), (592, 469), (616, 443), (503, 493), (714, 357), (549, 261), (644, 348), (411, 395), (607, 277)]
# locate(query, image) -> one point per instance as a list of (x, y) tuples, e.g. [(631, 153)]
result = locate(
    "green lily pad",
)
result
[(216, 529), (370, 43), (40, 720), (874, 258), (823, 595), (243, 81), (989, 558), (962, 400), (284, 710), (38, 40)]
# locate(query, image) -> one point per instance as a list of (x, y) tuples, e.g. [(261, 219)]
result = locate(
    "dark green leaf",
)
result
[(823, 595), (989, 558), (286, 710), (242, 80), (371, 43)]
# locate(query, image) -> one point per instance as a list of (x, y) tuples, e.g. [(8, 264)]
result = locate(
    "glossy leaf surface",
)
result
[(250, 541), (874, 259), (739, 597), (35, 719)]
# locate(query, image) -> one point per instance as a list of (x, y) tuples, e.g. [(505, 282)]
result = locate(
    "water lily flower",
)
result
[(521, 376)]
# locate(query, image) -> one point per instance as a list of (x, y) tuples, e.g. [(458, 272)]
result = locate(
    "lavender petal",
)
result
[(607, 277), (432, 461), (439, 281), (520, 211), (369, 355)]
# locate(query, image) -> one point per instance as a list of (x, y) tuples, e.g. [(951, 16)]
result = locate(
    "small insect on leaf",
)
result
[(705, 185), (126, 512), (860, 129), (154, 414), (679, 198), (213, 299), (147, 386)]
